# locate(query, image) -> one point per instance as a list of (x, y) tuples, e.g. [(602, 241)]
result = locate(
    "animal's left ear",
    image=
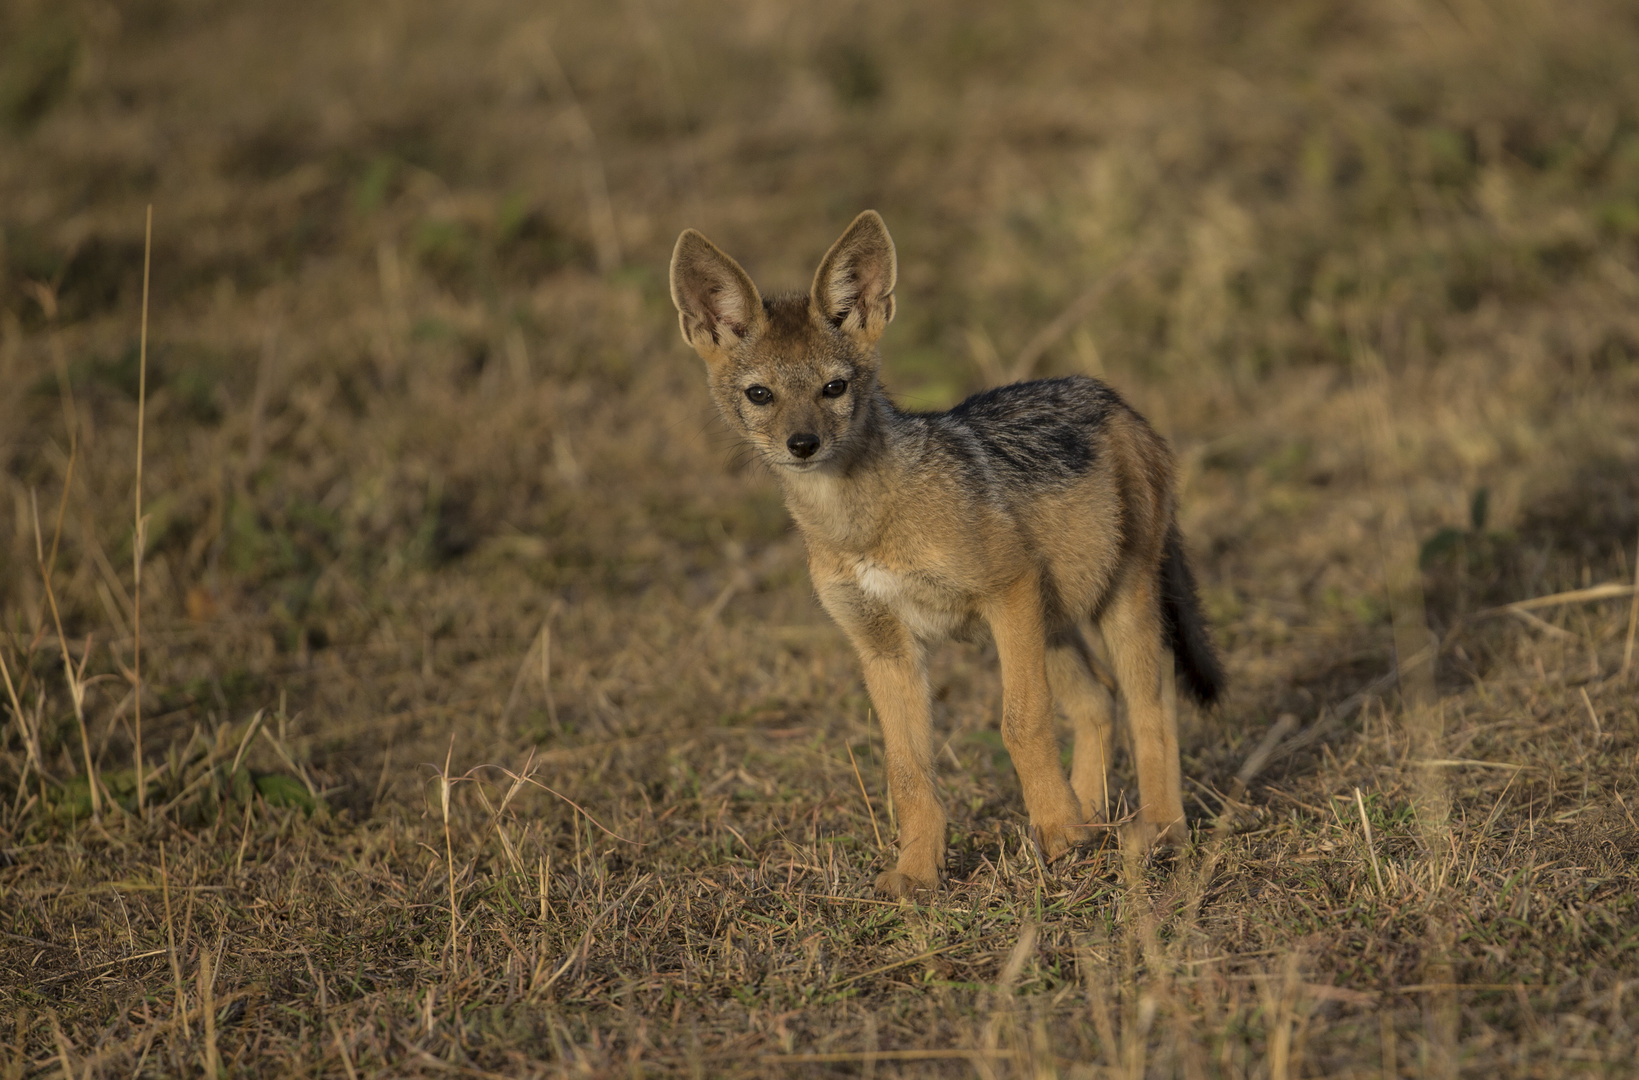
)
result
[(853, 289)]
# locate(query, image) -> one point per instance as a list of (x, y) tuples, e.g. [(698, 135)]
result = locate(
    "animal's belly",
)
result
[(931, 610)]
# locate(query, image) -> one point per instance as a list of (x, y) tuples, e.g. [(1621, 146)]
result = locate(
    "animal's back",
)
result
[(1047, 432)]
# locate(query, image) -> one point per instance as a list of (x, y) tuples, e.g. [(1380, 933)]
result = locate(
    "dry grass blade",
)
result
[(1593, 715), (850, 1057), (289, 759), (1471, 763), (555, 793), (495, 813), (244, 838), (244, 740), (1371, 845), (897, 964)]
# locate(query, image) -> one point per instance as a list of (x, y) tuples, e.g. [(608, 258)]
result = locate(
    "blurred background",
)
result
[(424, 452)]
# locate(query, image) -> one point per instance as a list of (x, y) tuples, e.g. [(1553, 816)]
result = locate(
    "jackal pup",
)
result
[(1042, 511)]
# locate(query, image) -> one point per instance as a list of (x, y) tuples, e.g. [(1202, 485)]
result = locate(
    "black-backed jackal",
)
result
[(1042, 511)]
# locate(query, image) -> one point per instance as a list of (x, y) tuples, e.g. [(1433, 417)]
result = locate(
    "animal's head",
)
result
[(793, 374)]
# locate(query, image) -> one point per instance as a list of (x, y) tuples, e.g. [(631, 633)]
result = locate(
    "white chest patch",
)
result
[(930, 612), (878, 580)]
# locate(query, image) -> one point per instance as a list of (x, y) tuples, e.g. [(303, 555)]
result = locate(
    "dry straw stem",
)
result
[(179, 1001), (1593, 715), (1633, 620), (73, 678), (207, 1009), (1608, 591), (139, 530), (444, 784), (244, 837), (495, 812), (31, 739), (865, 795), (848, 1057)]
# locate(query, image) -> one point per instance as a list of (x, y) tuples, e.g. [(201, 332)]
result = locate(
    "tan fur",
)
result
[(910, 542)]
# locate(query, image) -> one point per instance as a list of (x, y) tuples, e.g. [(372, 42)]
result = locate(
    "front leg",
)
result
[(896, 677), (1017, 624), (898, 684)]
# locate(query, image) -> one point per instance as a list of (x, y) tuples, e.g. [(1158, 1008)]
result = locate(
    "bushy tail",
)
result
[(1186, 627)]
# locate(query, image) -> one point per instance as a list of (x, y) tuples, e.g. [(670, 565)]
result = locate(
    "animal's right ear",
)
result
[(717, 305)]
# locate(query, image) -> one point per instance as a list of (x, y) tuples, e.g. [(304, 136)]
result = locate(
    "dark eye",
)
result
[(759, 395), (835, 387)]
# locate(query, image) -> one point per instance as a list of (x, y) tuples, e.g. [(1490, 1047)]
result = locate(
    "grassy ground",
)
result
[(488, 724)]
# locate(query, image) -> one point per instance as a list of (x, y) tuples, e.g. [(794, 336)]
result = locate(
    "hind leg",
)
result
[(1131, 625), (1020, 633), (1074, 673)]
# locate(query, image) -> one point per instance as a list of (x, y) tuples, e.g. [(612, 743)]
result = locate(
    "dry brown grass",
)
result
[(489, 726)]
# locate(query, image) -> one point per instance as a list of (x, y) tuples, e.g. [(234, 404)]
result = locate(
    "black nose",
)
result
[(803, 444)]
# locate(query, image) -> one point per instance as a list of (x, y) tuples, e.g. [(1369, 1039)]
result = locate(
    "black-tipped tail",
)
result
[(1187, 630)]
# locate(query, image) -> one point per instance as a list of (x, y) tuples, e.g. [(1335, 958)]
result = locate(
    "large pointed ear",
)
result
[(717, 305), (853, 289)]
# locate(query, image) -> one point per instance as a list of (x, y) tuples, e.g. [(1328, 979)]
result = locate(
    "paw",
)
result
[(900, 885), (1056, 840), (1153, 834)]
